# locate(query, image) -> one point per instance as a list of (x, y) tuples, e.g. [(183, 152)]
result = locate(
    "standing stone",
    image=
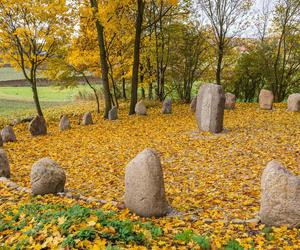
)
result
[(113, 114), (87, 119), (280, 198), (194, 104), (47, 177), (144, 185), (140, 108), (167, 106), (210, 108), (8, 134), (4, 165), (64, 123), (266, 99), (38, 126), (230, 101), (294, 102)]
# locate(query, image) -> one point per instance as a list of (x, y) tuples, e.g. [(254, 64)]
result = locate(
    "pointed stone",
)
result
[(140, 108), (64, 123), (266, 99), (38, 126), (144, 185), (113, 114), (8, 134), (294, 103), (4, 165), (87, 119), (210, 108), (167, 106), (280, 197)]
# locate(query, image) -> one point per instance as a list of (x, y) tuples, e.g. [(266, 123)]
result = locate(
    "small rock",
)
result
[(38, 126), (87, 119), (4, 165), (64, 123), (238, 221), (208, 221), (266, 99), (113, 114), (47, 177), (140, 108), (229, 100), (167, 106), (294, 102), (8, 134)]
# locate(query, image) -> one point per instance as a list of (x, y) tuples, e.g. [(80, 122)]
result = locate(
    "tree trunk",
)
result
[(219, 65), (136, 62), (124, 88), (36, 98), (103, 62)]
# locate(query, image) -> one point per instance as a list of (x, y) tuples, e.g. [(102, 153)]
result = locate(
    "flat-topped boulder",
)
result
[(266, 99), (8, 134), (64, 123), (280, 197), (210, 108), (144, 185), (87, 119), (167, 106), (230, 100), (47, 177), (140, 108), (38, 126), (294, 102)]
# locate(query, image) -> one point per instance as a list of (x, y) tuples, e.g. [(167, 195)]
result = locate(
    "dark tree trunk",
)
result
[(36, 98), (136, 62), (124, 88), (219, 65), (103, 62)]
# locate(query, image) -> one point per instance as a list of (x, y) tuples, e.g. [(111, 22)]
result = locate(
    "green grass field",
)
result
[(17, 99)]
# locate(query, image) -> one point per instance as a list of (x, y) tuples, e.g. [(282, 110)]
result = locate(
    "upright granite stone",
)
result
[(144, 185), (167, 106), (64, 123), (294, 103), (8, 134), (140, 108), (113, 114), (266, 99), (210, 108), (47, 177), (4, 165), (193, 104), (230, 101), (38, 126), (87, 119), (280, 198)]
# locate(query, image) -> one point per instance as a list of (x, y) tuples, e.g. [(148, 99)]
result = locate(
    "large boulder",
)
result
[(47, 177), (266, 99), (38, 126), (210, 108), (144, 185), (140, 108), (64, 123), (280, 198), (113, 114), (167, 106), (87, 119), (193, 104), (230, 101), (4, 165), (8, 134), (294, 102)]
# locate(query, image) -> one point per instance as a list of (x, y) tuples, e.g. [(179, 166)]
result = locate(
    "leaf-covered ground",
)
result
[(213, 179)]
